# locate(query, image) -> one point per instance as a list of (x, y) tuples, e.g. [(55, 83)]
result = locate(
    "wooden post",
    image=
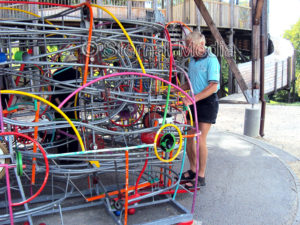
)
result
[(168, 16), (289, 72), (222, 44), (230, 75), (258, 11), (154, 5), (99, 11), (282, 73), (129, 9), (171, 14), (199, 19), (184, 11), (189, 13), (276, 77), (35, 8), (255, 47), (231, 14), (220, 13), (262, 71), (222, 93), (265, 23), (294, 74)]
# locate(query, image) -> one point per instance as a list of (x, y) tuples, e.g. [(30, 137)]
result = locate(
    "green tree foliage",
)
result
[(294, 36)]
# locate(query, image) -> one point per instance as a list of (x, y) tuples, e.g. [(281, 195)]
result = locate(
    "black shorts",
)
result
[(207, 109)]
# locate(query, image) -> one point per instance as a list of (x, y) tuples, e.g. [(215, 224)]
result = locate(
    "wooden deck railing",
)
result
[(220, 12), (185, 11), (278, 68)]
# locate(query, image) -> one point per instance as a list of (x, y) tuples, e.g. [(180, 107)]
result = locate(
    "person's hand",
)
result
[(186, 101)]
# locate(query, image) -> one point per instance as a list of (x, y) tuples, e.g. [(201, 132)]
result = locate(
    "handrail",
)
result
[(186, 12)]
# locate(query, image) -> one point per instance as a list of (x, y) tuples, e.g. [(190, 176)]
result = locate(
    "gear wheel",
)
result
[(3, 151)]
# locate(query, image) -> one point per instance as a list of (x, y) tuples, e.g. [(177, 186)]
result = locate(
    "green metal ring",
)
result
[(165, 142), (19, 163)]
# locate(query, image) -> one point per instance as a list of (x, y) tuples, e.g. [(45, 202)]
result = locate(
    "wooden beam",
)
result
[(168, 10), (231, 13), (231, 86), (220, 14), (198, 15), (289, 72), (258, 11), (154, 5), (99, 11), (184, 11), (129, 9), (171, 13), (215, 32), (255, 48), (276, 77)]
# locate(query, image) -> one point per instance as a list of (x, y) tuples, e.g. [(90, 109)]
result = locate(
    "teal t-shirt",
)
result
[(203, 71)]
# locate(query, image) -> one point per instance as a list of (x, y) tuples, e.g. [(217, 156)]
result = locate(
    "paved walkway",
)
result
[(248, 183)]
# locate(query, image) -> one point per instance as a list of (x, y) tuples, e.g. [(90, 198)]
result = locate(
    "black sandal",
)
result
[(201, 182), (190, 177)]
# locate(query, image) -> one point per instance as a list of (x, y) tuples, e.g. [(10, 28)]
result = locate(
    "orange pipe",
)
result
[(87, 59), (170, 167), (5, 112), (37, 116), (190, 135), (140, 186)]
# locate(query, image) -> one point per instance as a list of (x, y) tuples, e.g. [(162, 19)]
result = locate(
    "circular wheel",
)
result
[(46, 164), (131, 112), (3, 151), (28, 107), (157, 137)]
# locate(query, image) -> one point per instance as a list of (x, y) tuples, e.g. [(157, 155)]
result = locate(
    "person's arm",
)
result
[(208, 91), (184, 87)]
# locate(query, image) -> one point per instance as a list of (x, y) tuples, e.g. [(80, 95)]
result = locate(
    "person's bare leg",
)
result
[(191, 150), (204, 127)]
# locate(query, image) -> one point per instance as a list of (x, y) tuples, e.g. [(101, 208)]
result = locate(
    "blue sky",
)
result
[(283, 14)]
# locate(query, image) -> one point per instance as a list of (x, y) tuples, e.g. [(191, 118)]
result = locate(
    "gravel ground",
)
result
[(282, 126)]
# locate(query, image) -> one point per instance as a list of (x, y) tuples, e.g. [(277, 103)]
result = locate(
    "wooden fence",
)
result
[(278, 72), (220, 11), (185, 11)]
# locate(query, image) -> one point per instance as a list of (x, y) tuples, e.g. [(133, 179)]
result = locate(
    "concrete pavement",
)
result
[(248, 183)]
